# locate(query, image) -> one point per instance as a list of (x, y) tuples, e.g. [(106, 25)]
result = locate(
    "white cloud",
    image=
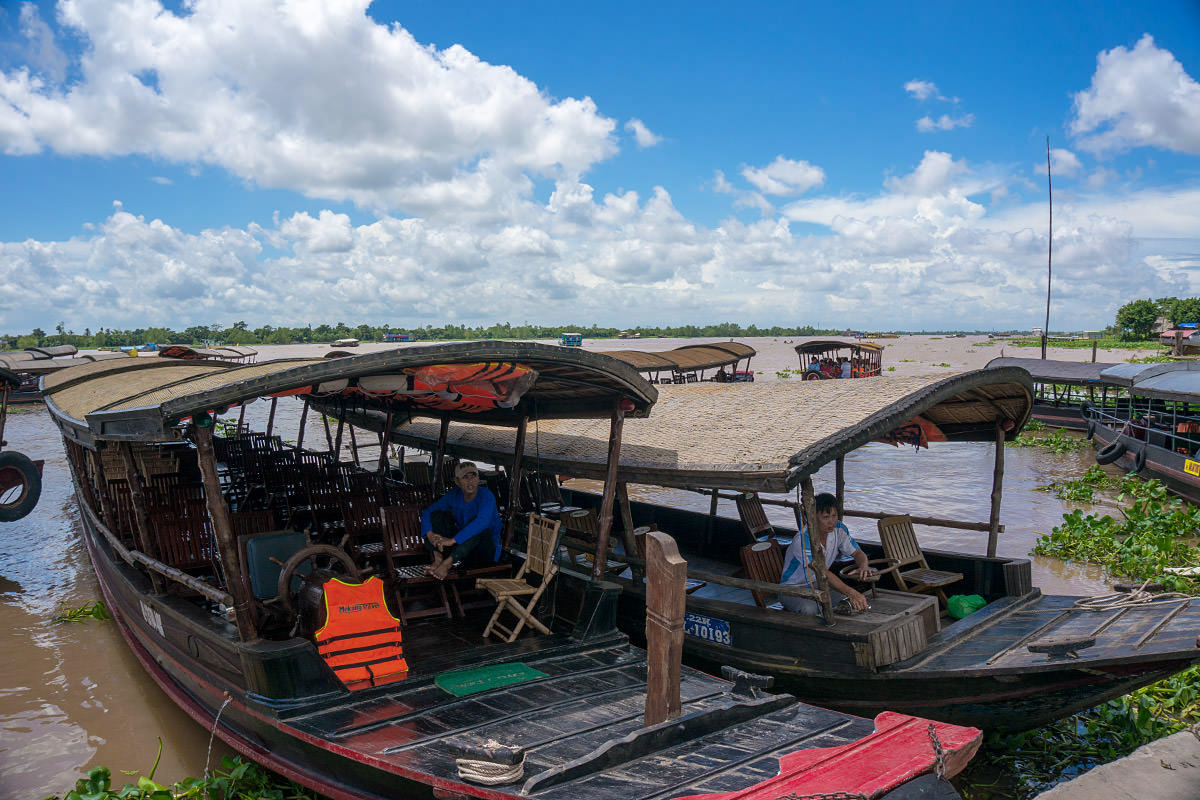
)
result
[(644, 136), (945, 122), (933, 175), (1138, 98), (922, 90), (161, 180), (317, 98), (785, 177), (1063, 164)]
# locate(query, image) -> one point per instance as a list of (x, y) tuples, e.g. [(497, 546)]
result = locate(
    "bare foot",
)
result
[(441, 570)]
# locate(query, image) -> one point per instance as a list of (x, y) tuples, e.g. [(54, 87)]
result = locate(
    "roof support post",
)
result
[(808, 500), (439, 454), (615, 427), (270, 417), (626, 519), (328, 433), (354, 446), (666, 574), (223, 531), (241, 418), (3, 413), (303, 420), (839, 483), (997, 490), (384, 437), (514, 482), (141, 516), (337, 440)]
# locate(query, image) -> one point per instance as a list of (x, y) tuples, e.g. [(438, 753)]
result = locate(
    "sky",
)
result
[(861, 165)]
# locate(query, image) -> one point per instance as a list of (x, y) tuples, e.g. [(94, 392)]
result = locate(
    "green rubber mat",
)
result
[(470, 681)]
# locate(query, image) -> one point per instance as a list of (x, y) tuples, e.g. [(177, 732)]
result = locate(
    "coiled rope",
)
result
[(1118, 600), (489, 773)]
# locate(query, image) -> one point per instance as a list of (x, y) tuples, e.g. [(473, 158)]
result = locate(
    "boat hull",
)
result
[(1158, 462)]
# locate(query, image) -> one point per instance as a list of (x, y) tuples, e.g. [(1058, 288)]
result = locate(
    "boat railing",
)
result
[(936, 522), (1171, 431)]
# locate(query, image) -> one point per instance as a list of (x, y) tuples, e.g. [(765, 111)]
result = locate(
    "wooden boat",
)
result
[(688, 364), (1002, 667), (820, 359), (1063, 390), (20, 476), (574, 712), (1154, 430), (345, 343), (35, 362)]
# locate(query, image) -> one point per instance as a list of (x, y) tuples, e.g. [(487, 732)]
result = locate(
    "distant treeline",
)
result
[(240, 334)]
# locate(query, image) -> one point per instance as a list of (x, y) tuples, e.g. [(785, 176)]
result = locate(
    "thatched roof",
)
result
[(753, 437), (144, 399), (1048, 371), (822, 345)]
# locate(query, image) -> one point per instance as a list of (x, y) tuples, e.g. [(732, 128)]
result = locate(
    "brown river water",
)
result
[(72, 696)]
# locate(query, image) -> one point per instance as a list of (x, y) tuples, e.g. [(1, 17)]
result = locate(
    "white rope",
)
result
[(488, 773), (1117, 600)]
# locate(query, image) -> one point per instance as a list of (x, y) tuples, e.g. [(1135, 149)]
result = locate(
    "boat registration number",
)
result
[(710, 629), (1191, 467)]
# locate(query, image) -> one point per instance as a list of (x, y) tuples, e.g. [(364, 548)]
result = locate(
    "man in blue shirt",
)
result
[(836, 540), (463, 525)]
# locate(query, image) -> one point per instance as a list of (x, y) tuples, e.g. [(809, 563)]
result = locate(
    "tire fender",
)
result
[(20, 475), (1110, 452)]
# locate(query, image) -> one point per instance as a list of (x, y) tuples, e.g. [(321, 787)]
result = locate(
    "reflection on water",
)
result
[(73, 696)]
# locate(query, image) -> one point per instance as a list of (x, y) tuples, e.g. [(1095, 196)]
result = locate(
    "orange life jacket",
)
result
[(471, 387), (360, 639)]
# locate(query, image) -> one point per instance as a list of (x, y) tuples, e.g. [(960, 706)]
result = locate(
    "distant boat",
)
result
[(571, 339), (345, 343), (629, 335)]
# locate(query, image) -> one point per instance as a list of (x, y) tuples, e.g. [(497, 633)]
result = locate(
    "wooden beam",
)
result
[(439, 454), (666, 573), (384, 437), (337, 440), (354, 447), (223, 532), (270, 417), (997, 491), (616, 424), (328, 435), (839, 483), (241, 418), (141, 515), (303, 420), (514, 482), (808, 498), (627, 538)]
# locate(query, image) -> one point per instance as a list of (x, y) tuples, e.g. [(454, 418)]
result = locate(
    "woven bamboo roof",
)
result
[(750, 436), (1049, 371), (822, 345), (11, 357), (144, 399)]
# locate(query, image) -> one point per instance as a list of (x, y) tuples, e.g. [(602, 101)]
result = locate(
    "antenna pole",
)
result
[(1049, 247)]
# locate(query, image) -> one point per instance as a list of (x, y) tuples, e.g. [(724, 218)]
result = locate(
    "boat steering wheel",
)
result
[(319, 558), (881, 567)]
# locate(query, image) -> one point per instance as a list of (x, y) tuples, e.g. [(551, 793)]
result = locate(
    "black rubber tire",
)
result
[(1091, 428), (14, 465), (1110, 452), (811, 376), (1139, 460)]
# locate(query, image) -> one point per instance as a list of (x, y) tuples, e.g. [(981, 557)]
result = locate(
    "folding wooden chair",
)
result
[(763, 561), (406, 557), (900, 543), (530, 582), (754, 517)]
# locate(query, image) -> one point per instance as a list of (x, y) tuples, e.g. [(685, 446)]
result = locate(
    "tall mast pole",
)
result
[(1049, 246)]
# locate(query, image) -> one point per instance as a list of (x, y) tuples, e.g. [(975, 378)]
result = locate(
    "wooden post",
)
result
[(808, 499), (141, 516), (839, 483), (1093, 351), (997, 490), (439, 454), (337, 440), (610, 489), (353, 446), (241, 419), (666, 573), (1177, 348), (303, 420), (385, 437), (270, 418), (710, 524), (626, 519), (223, 532), (3, 413), (328, 433), (514, 482)]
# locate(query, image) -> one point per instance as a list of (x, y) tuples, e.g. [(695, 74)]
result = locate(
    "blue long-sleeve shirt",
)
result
[(478, 516)]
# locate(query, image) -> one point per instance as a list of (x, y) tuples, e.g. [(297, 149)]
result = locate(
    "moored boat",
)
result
[(20, 476), (1021, 660), (822, 359), (1155, 430), (1063, 390), (182, 522)]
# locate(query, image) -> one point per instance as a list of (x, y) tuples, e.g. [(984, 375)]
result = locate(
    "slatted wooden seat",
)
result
[(754, 517), (899, 542), (582, 525), (541, 494), (520, 594), (362, 526), (246, 523), (406, 557), (763, 561), (184, 535)]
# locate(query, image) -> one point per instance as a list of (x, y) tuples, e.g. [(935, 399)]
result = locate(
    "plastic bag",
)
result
[(961, 605)]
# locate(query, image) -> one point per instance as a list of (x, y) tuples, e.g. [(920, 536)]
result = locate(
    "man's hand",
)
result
[(857, 601), (863, 572), (434, 539)]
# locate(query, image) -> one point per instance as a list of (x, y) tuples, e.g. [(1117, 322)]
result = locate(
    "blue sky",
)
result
[(862, 165)]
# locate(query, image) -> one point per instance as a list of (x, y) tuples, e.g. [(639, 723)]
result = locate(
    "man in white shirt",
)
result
[(838, 543)]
